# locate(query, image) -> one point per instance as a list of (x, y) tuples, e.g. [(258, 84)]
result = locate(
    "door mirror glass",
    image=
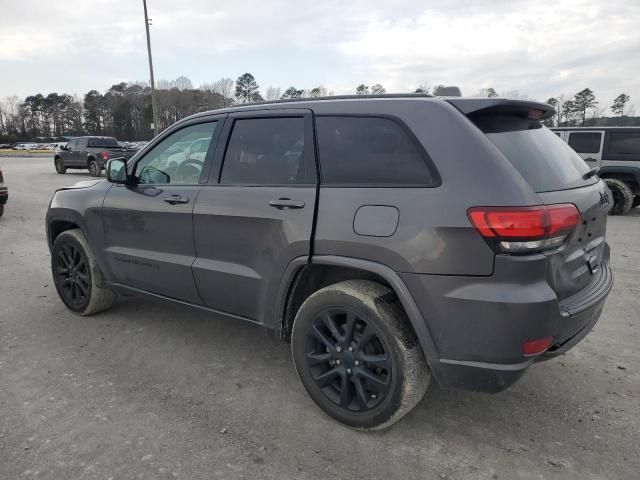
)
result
[(117, 170)]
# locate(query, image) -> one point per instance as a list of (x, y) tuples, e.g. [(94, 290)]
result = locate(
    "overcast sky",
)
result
[(539, 48)]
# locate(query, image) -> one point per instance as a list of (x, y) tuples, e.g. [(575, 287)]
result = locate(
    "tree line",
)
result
[(583, 110), (124, 111)]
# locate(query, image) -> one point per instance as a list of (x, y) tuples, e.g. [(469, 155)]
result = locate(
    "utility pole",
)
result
[(154, 104)]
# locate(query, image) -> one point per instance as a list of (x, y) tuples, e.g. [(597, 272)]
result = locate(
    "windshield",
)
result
[(544, 160)]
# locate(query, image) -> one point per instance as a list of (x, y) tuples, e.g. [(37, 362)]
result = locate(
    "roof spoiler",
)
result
[(520, 108)]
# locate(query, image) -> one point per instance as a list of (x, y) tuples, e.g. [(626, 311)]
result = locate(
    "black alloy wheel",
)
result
[(348, 360), (72, 275)]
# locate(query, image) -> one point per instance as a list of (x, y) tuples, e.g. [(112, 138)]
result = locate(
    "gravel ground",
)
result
[(153, 390)]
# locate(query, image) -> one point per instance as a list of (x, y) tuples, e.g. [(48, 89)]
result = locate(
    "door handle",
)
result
[(174, 199), (590, 159), (283, 203)]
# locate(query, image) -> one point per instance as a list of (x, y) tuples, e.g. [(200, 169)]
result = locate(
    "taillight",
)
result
[(525, 229), (104, 155)]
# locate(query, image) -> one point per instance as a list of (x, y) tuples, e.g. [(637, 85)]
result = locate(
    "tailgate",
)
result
[(575, 265)]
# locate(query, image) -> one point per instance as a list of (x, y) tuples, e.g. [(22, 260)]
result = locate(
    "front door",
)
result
[(148, 225), (259, 216), (588, 144)]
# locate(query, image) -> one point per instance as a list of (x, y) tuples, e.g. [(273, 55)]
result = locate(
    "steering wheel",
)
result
[(189, 169)]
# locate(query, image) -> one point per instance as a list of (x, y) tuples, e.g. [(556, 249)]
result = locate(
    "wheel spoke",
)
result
[(322, 337), (330, 323), (381, 361), (62, 256), (345, 395), (360, 393), (348, 327), (373, 382), (366, 337), (84, 290), (326, 378), (314, 359)]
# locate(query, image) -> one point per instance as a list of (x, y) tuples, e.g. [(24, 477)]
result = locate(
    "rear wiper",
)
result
[(590, 173)]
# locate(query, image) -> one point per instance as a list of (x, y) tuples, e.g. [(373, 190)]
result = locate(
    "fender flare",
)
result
[(613, 170), (416, 318)]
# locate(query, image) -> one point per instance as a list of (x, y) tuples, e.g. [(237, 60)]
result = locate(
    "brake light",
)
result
[(525, 229), (104, 155)]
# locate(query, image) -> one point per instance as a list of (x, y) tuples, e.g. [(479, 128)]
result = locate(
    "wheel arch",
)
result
[(629, 175), (303, 278), (61, 222)]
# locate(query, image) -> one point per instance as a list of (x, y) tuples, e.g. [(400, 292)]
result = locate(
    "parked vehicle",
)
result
[(615, 153), (90, 153), (4, 194), (388, 238)]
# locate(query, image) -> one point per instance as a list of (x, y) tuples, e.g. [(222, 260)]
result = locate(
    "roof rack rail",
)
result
[(337, 97)]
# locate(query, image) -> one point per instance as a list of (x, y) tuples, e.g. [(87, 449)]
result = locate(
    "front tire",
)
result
[(76, 275), (94, 169), (60, 168), (622, 196), (356, 355)]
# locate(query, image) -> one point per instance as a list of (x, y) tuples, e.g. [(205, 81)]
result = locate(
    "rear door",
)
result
[(588, 144), (148, 226), (558, 175), (256, 214)]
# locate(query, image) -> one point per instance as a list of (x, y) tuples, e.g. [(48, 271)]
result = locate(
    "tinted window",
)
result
[(585, 142), (103, 142), (265, 151), (368, 150), (544, 160), (624, 143), (173, 161)]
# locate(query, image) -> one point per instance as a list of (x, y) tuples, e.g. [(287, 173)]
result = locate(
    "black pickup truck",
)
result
[(89, 152), (4, 194)]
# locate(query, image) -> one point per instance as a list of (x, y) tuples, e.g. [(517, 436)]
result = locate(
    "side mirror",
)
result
[(116, 170), (64, 147)]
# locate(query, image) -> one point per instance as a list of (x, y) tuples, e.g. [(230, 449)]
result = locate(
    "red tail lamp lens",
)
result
[(104, 155)]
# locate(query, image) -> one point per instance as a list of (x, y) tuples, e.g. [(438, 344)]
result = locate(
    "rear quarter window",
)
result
[(357, 150), (544, 160), (625, 144)]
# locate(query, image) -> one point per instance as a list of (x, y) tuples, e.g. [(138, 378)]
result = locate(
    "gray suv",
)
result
[(389, 239)]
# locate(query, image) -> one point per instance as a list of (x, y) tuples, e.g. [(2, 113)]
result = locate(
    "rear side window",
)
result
[(624, 143), (265, 151), (369, 150), (103, 142), (544, 160), (585, 142)]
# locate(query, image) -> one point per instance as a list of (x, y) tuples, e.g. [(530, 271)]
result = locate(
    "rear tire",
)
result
[(94, 169), (356, 355), (76, 275), (622, 196), (60, 168), (1, 210)]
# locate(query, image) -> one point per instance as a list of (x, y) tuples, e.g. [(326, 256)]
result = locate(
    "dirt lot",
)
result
[(151, 390)]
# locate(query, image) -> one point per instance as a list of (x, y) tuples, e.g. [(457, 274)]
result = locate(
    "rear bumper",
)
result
[(479, 324)]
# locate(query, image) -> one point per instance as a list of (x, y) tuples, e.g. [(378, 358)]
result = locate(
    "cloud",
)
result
[(540, 48)]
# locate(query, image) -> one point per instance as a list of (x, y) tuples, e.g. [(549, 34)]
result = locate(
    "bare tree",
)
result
[(224, 87), (318, 91), (378, 89), (273, 93)]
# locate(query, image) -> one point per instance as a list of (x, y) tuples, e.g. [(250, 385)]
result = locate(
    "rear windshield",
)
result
[(545, 161), (103, 142)]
